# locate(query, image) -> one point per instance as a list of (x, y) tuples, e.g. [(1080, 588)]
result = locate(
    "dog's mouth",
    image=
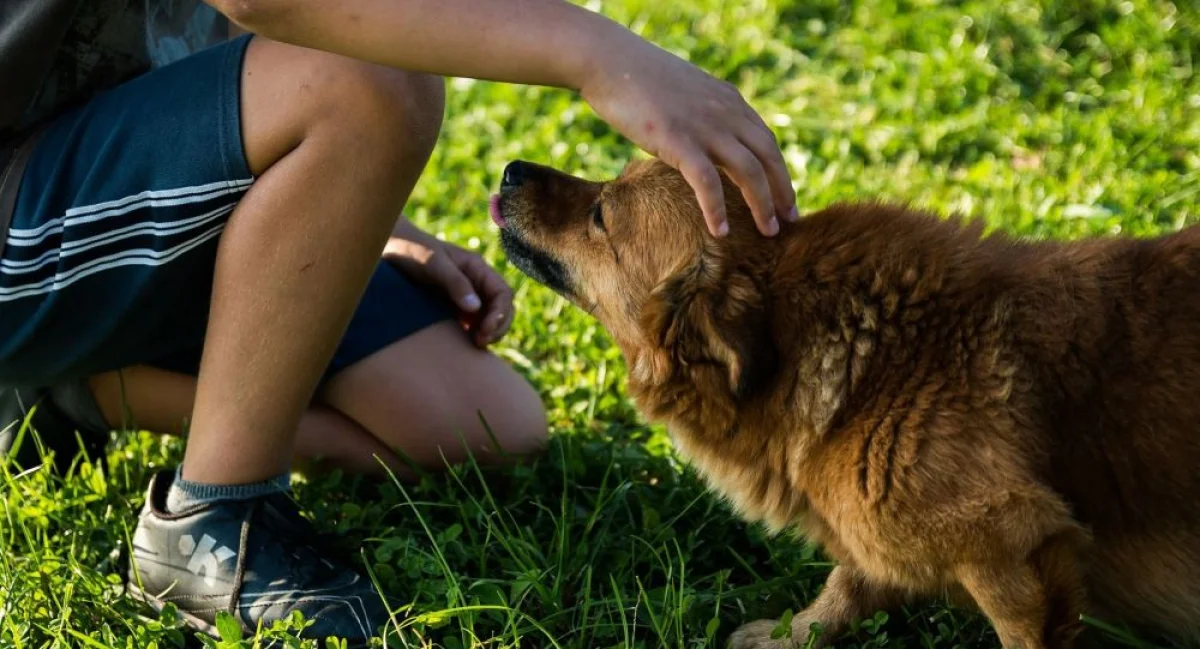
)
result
[(495, 212), (538, 264)]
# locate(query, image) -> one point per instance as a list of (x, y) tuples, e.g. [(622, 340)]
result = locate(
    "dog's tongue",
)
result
[(494, 210)]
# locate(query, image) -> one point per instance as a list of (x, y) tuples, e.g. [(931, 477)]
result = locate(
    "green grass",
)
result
[(1050, 119)]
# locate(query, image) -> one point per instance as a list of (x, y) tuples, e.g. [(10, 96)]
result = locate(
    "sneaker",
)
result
[(257, 559)]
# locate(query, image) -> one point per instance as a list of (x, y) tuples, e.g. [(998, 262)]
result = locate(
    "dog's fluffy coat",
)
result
[(1016, 424)]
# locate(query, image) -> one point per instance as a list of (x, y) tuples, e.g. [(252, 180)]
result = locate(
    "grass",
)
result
[(1058, 118)]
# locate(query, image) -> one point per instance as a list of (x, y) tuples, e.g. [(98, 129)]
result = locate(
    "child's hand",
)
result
[(694, 123), (483, 297)]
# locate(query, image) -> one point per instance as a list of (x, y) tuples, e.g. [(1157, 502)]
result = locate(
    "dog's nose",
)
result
[(514, 174)]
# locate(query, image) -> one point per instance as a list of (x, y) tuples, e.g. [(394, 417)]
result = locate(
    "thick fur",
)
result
[(1014, 423)]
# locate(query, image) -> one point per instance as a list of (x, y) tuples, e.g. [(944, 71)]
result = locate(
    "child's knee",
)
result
[(399, 113), (385, 116)]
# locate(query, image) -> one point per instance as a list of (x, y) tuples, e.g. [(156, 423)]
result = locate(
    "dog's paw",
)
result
[(757, 635)]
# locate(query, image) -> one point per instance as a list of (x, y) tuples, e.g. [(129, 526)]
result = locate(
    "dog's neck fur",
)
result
[(847, 308), (718, 419)]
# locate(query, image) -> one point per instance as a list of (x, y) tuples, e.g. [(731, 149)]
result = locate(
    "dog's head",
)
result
[(635, 253)]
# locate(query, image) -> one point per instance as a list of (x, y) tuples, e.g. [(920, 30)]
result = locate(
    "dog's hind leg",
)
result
[(1035, 603)]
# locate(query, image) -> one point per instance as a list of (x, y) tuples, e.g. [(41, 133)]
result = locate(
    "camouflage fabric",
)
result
[(111, 41)]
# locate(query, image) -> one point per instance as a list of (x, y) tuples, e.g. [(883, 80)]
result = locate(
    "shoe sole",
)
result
[(157, 604), (200, 625)]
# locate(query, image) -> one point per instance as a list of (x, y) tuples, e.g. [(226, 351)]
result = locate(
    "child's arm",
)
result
[(664, 104)]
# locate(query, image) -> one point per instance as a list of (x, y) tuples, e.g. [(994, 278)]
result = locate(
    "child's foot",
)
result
[(258, 559), (59, 413)]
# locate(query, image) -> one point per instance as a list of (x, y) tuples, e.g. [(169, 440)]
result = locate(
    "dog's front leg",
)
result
[(848, 596)]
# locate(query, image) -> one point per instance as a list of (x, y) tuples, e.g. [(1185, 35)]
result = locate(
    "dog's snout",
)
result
[(514, 174)]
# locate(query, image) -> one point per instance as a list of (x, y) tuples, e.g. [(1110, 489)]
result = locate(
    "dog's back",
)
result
[(1120, 379), (1105, 336)]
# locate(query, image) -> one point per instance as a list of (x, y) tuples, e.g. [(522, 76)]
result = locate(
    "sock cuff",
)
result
[(185, 494)]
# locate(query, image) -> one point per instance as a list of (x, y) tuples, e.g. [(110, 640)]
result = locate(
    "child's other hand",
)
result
[(484, 299)]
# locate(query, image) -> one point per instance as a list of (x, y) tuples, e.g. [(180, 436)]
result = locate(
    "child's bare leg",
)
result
[(415, 395)]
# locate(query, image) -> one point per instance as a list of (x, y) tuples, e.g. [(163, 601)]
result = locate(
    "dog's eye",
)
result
[(598, 216)]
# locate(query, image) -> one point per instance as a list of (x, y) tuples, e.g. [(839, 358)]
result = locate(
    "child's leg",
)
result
[(301, 245), (405, 376), (415, 406), (267, 179), (149, 398), (406, 372), (421, 393)]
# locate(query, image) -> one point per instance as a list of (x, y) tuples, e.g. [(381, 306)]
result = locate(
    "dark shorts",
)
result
[(109, 260)]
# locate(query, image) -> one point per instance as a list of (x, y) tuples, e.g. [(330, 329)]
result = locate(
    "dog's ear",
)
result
[(704, 316)]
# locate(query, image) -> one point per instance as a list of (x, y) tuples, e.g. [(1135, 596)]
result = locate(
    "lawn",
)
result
[(1060, 118)]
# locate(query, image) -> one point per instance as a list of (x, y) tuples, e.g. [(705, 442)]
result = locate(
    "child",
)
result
[(205, 229)]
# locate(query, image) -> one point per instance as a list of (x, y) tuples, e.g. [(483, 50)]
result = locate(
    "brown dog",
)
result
[(1013, 423)]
